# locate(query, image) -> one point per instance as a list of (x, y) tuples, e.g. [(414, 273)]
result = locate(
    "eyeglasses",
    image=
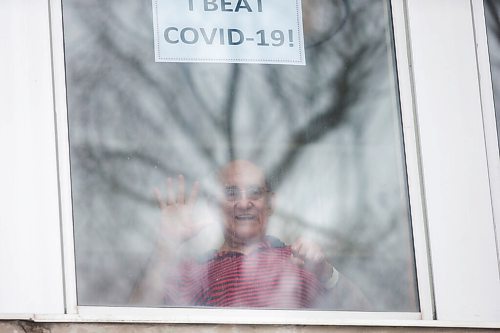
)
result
[(234, 193)]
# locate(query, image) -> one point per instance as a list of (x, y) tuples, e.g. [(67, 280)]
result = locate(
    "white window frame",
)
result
[(459, 204), (489, 114), (250, 316), (452, 292)]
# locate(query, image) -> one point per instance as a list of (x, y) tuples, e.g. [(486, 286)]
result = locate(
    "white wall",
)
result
[(30, 255)]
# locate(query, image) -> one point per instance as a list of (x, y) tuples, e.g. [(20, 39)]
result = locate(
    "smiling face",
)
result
[(245, 203)]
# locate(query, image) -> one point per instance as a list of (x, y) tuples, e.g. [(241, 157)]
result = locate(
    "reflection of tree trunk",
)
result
[(229, 110)]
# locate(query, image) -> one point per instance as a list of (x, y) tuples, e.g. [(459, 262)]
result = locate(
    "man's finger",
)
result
[(180, 190), (297, 261), (194, 193), (302, 252), (158, 198), (312, 254), (297, 246), (170, 192)]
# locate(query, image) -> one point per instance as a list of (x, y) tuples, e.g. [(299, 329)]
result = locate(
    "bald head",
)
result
[(242, 170)]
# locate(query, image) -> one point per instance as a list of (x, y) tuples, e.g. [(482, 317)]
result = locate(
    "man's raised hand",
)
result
[(309, 255), (177, 210)]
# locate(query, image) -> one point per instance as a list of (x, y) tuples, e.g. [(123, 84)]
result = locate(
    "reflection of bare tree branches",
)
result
[(98, 163), (344, 244), (322, 123), (134, 122), (167, 95), (343, 85), (339, 73)]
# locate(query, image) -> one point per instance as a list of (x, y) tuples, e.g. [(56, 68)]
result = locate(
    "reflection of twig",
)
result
[(331, 34), (338, 244), (352, 241), (291, 218), (106, 157)]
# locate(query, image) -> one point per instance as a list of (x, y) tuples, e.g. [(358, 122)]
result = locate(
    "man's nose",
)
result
[(244, 202)]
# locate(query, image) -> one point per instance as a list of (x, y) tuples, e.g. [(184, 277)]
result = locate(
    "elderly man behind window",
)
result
[(250, 268)]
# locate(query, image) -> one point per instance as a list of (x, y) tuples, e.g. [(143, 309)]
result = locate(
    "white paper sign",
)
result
[(229, 31)]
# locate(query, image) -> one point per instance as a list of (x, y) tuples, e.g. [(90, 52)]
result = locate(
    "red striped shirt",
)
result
[(265, 278)]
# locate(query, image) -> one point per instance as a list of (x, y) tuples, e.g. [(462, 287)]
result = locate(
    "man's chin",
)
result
[(247, 233)]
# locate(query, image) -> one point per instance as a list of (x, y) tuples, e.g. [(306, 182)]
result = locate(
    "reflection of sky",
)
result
[(133, 122)]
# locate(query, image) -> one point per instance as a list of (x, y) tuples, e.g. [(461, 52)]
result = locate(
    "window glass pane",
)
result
[(492, 13), (297, 169)]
